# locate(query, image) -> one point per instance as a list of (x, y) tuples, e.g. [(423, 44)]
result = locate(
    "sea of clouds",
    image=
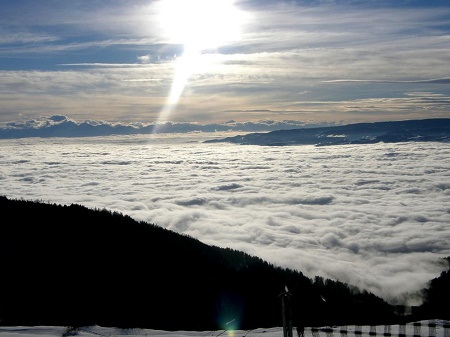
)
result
[(376, 216)]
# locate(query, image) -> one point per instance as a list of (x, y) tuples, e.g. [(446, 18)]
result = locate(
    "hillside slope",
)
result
[(70, 265)]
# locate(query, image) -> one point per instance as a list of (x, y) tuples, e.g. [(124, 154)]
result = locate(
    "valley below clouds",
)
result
[(376, 216)]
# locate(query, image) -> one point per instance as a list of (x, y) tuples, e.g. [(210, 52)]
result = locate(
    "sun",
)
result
[(201, 26)]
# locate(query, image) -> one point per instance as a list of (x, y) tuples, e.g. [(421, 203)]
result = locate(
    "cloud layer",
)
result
[(375, 216)]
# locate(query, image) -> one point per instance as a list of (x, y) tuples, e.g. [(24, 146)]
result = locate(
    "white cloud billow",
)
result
[(375, 216)]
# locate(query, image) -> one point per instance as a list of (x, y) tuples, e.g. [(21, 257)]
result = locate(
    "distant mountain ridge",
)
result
[(425, 130), (63, 126)]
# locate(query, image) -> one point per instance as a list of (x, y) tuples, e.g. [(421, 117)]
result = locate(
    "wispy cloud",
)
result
[(434, 81)]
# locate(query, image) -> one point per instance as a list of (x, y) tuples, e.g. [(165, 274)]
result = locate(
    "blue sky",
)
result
[(151, 61)]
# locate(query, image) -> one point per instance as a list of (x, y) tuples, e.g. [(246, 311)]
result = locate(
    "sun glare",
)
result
[(200, 26)]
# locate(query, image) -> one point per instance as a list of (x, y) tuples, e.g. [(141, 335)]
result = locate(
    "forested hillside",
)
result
[(70, 265)]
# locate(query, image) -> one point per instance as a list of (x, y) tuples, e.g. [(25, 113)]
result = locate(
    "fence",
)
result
[(416, 329), (432, 328)]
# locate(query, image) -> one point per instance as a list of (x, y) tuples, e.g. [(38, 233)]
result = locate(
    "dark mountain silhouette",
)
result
[(74, 266), (426, 130), (437, 297)]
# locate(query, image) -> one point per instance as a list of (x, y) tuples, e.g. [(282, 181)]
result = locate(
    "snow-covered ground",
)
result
[(431, 328)]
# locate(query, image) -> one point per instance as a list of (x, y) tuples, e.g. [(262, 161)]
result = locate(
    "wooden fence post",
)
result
[(402, 330), (446, 330), (417, 329)]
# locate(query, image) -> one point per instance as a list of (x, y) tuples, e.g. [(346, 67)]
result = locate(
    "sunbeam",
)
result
[(200, 26)]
